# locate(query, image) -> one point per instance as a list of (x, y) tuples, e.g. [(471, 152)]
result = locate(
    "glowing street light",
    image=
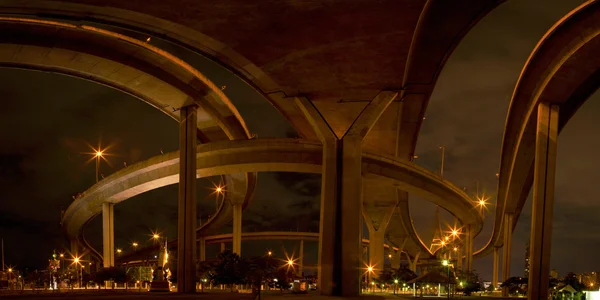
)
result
[(134, 244), (218, 190), (269, 253), (119, 251), (290, 262), (97, 154)]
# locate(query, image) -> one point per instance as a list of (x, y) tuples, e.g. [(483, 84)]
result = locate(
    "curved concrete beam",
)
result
[(131, 66), (563, 69), (262, 155)]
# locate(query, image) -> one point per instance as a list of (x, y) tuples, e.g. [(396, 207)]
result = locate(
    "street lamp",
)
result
[(218, 190), (98, 156), (134, 245), (447, 265), (395, 285)]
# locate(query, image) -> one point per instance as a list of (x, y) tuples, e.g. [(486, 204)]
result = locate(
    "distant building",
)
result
[(554, 274), (526, 274)]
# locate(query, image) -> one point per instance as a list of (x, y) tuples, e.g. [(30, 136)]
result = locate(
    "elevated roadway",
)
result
[(563, 69), (333, 56), (562, 72), (272, 47), (134, 67), (261, 155)]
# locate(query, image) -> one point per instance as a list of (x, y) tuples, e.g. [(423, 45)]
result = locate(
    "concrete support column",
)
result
[(495, 268), (459, 258), (108, 234), (237, 229), (412, 265), (301, 259), (74, 247), (469, 248), (543, 200), (201, 248), (396, 258), (507, 224), (376, 251), (186, 216), (340, 230)]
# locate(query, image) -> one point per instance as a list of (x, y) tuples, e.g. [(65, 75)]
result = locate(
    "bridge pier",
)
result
[(543, 200), (495, 268), (201, 248), (186, 216), (469, 248), (459, 258), (506, 250), (377, 240), (412, 265), (237, 229), (108, 234), (340, 230), (301, 258)]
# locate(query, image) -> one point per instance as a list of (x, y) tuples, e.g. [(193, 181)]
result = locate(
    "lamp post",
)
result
[(447, 265), (98, 156), (395, 285)]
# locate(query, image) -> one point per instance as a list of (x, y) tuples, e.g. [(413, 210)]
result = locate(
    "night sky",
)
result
[(48, 122)]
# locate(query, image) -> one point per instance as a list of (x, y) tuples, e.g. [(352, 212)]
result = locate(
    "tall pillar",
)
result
[(507, 224), (495, 268), (108, 234), (377, 240), (413, 264), (340, 237), (186, 216), (396, 258), (237, 229), (201, 248), (459, 258), (74, 247), (301, 259), (469, 248), (543, 200), (376, 251)]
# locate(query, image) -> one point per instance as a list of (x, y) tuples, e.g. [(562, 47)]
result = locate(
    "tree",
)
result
[(282, 276), (386, 277), (229, 269), (404, 274), (515, 285), (118, 275), (469, 282), (260, 269)]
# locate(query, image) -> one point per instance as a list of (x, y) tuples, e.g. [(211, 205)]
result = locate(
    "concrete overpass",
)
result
[(102, 59), (561, 73), (261, 155), (320, 65)]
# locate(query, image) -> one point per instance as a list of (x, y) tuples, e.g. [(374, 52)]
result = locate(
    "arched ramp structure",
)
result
[(562, 72), (327, 53)]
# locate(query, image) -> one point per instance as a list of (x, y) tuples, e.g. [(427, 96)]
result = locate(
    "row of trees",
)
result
[(466, 281), (518, 285), (230, 270)]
